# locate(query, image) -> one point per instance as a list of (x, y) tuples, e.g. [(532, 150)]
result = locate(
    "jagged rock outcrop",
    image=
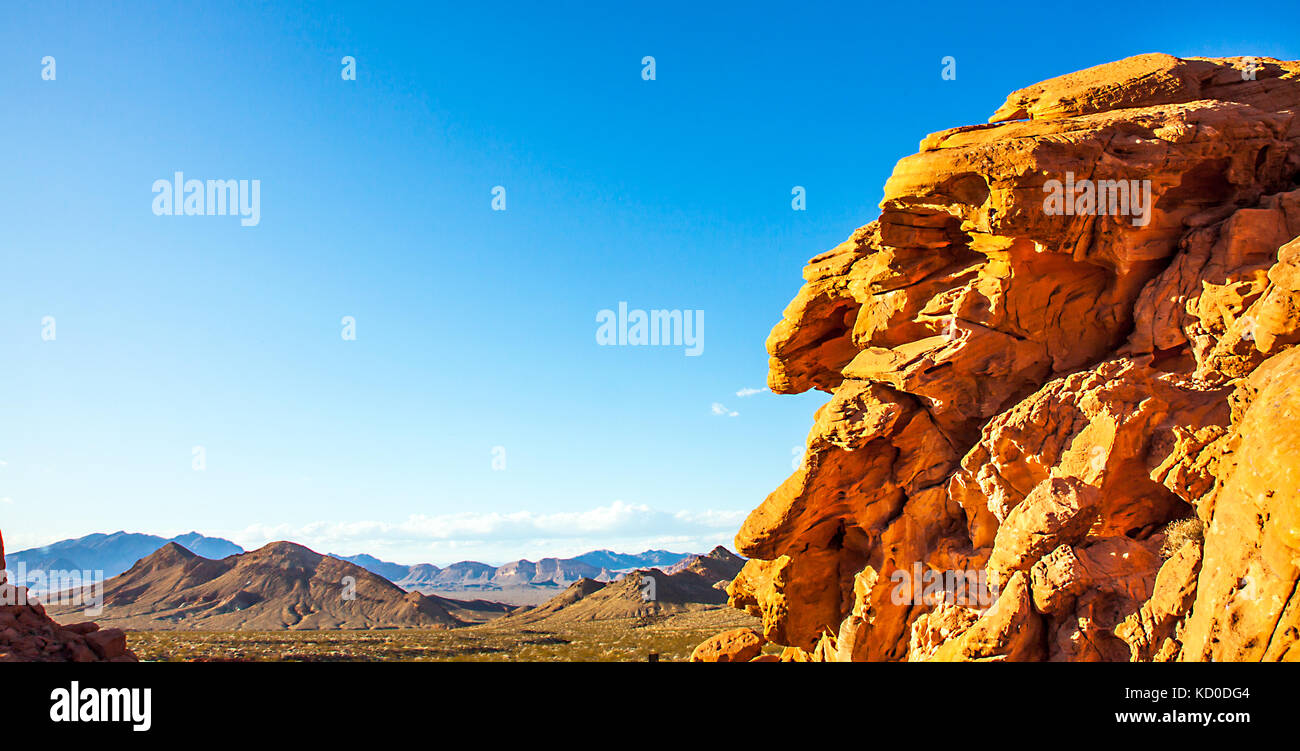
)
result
[(1063, 420), (27, 634)]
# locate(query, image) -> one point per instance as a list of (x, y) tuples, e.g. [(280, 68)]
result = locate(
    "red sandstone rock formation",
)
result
[(1096, 413), (27, 634)]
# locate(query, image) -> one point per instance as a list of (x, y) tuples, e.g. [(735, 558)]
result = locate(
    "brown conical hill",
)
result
[(279, 586)]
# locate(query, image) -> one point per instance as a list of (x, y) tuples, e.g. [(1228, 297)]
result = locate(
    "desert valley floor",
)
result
[(671, 638)]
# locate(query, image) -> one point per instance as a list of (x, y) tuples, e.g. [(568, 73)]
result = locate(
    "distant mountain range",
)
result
[(600, 565), (115, 553), (622, 561), (111, 554)]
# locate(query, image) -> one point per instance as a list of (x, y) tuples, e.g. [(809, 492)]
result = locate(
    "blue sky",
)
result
[(475, 328)]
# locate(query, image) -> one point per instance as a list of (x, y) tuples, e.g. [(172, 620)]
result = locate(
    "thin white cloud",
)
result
[(6, 499), (721, 409), (750, 392), (498, 537)]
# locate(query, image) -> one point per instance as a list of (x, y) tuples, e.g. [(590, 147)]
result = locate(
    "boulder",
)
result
[(737, 645)]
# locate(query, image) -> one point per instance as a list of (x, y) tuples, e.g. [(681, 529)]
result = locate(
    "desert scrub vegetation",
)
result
[(1178, 533), (617, 640)]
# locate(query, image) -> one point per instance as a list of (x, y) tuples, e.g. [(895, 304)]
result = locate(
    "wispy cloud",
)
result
[(497, 537), (721, 409), (750, 392), (6, 499)]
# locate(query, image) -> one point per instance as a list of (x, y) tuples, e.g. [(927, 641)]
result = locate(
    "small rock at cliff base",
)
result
[(107, 643), (737, 645)]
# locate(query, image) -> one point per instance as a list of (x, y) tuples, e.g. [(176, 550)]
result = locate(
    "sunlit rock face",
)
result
[(1061, 375)]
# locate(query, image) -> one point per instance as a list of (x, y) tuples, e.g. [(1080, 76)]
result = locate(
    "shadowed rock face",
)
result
[(1030, 396)]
